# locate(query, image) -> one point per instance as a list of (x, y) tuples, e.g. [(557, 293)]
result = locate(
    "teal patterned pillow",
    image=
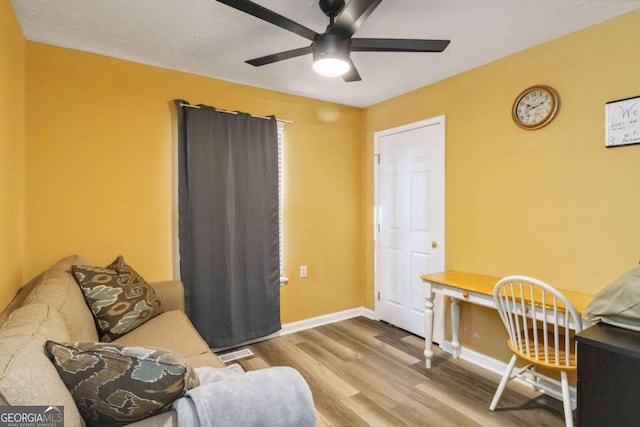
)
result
[(119, 298), (115, 384)]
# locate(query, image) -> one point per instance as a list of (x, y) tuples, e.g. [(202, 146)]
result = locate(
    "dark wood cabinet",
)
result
[(608, 376)]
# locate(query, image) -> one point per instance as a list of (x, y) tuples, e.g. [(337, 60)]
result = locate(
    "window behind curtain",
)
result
[(281, 195)]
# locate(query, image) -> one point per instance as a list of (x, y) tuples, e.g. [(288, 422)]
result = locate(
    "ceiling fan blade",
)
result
[(271, 17), (398, 45), (352, 16), (280, 56), (352, 75)]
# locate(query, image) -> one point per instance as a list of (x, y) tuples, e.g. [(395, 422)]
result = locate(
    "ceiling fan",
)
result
[(331, 50)]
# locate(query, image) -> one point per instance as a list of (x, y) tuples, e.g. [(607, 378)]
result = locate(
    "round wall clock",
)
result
[(535, 107)]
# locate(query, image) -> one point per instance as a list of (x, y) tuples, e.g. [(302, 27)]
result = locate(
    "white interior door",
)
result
[(410, 220)]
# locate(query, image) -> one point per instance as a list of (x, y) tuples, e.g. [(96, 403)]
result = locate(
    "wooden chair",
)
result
[(541, 323)]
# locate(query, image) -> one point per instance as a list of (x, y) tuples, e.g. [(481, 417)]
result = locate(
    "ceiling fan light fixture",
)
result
[(331, 55), (331, 66)]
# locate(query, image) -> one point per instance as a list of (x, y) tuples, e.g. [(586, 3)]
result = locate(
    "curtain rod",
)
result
[(289, 122)]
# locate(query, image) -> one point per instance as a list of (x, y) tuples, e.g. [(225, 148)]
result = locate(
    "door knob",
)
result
[(434, 244)]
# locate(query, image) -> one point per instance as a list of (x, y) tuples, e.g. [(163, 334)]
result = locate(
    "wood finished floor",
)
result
[(364, 372)]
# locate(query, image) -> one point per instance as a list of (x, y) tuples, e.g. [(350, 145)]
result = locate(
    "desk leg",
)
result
[(428, 323), (455, 327)]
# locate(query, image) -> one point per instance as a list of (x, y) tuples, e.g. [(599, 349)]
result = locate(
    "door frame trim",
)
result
[(376, 189)]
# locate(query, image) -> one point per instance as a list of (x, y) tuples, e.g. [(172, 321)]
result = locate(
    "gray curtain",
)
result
[(228, 220)]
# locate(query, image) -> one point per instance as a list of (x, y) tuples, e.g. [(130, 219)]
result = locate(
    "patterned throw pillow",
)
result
[(115, 384), (119, 298)]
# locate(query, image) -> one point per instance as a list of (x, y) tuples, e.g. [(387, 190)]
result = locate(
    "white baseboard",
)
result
[(478, 359), (314, 322), (301, 325)]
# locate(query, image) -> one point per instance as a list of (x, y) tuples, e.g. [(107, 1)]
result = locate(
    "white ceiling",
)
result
[(209, 38)]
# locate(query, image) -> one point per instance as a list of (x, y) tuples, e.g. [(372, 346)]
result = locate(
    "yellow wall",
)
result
[(99, 172), (552, 203), (12, 146)]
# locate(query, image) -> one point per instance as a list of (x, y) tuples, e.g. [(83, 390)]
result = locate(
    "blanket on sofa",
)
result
[(276, 396)]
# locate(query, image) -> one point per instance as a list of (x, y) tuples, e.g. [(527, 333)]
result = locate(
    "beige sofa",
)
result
[(52, 307)]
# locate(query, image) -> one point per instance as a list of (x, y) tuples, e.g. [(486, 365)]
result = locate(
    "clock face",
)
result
[(535, 107)]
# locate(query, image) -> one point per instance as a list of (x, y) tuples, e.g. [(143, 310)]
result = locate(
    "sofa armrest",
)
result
[(170, 293)]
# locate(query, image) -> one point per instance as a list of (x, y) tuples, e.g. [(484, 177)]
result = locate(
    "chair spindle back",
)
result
[(539, 320)]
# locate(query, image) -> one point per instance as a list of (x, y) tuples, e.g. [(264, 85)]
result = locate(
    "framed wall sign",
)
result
[(622, 122)]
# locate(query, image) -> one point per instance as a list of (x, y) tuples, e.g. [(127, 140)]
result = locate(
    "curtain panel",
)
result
[(228, 223)]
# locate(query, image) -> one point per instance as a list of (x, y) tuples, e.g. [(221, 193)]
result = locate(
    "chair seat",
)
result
[(551, 362)]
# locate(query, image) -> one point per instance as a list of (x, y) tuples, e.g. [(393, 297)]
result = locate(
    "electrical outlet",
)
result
[(303, 271)]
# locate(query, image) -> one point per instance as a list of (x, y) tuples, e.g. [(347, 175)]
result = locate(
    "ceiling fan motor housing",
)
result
[(331, 45), (331, 8)]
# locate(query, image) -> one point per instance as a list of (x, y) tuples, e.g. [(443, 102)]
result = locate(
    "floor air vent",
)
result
[(235, 355)]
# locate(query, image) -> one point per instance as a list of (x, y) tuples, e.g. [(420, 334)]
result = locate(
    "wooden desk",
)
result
[(469, 287)]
